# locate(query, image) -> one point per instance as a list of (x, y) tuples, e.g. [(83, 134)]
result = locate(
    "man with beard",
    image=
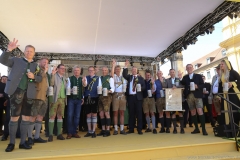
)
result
[(39, 106)]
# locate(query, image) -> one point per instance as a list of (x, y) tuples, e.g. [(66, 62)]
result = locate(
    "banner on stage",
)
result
[(173, 99)]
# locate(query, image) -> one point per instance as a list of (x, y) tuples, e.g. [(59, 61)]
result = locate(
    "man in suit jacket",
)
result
[(206, 91), (174, 82), (2, 100), (21, 89), (194, 98), (57, 107), (134, 98), (39, 106)]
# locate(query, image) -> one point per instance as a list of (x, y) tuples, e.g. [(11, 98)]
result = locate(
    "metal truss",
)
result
[(4, 43), (91, 57), (217, 15), (207, 22)]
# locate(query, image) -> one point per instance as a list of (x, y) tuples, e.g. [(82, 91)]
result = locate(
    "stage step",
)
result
[(148, 146)]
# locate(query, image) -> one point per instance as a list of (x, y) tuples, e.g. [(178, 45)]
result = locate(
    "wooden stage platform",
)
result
[(130, 147)]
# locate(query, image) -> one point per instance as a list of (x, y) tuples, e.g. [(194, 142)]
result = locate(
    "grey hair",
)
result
[(76, 66)]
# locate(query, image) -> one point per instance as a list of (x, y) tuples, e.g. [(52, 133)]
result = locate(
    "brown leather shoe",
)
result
[(76, 136), (69, 136)]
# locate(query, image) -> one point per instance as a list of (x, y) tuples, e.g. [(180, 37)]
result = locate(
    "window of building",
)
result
[(196, 66), (224, 52), (208, 75), (215, 71), (208, 60)]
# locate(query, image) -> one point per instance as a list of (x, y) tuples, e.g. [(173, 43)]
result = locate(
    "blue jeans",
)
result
[(73, 115)]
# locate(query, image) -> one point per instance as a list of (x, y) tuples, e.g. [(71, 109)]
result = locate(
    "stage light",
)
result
[(207, 31), (194, 40), (211, 29), (202, 33)]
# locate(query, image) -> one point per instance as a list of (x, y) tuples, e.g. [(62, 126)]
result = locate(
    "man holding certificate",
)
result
[(174, 82)]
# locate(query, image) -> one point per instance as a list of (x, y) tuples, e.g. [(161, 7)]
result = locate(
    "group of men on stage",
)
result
[(31, 89)]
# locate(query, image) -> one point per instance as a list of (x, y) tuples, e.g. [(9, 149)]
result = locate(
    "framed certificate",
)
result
[(173, 99)]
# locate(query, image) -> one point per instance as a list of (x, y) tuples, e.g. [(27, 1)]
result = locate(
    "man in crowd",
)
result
[(75, 102), (119, 99), (149, 107), (206, 93), (21, 89), (2, 100), (134, 98), (58, 81), (106, 81), (174, 82), (194, 97), (39, 107), (214, 92), (91, 101), (160, 102)]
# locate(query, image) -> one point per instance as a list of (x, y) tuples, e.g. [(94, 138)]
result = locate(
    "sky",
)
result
[(204, 45)]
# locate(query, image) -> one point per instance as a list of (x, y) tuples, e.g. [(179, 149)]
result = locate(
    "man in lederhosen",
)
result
[(57, 107), (119, 99), (160, 103), (39, 107), (149, 107), (174, 82), (106, 81), (194, 98), (21, 89), (91, 101)]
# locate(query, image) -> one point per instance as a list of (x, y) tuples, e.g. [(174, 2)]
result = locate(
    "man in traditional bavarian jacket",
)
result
[(39, 107), (194, 97), (56, 108), (21, 89), (105, 101), (75, 101), (149, 107), (91, 101)]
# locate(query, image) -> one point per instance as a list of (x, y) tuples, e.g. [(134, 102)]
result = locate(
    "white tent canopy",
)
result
[(108, 27)]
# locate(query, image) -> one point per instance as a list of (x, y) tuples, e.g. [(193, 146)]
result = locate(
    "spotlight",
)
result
[(207, 31), (211, 29), (230, 15), (194, 40), (202, 33)]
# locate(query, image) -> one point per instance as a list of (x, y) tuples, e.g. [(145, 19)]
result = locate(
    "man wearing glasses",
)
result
[(91, 101), (58, 81)]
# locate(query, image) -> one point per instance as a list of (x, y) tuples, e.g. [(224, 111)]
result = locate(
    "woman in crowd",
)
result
[(230, 76)]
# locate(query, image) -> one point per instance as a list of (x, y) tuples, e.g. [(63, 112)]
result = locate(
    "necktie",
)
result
[(134, 86)]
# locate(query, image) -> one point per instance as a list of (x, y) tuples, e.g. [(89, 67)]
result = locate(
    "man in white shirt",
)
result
[(214, 92), (105, 81), (119, 99)]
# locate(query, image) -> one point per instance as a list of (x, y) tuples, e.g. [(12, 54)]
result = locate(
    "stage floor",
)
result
[(92, 148)]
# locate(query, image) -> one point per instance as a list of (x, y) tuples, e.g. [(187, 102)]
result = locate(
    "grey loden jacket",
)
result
[(19, 66)]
